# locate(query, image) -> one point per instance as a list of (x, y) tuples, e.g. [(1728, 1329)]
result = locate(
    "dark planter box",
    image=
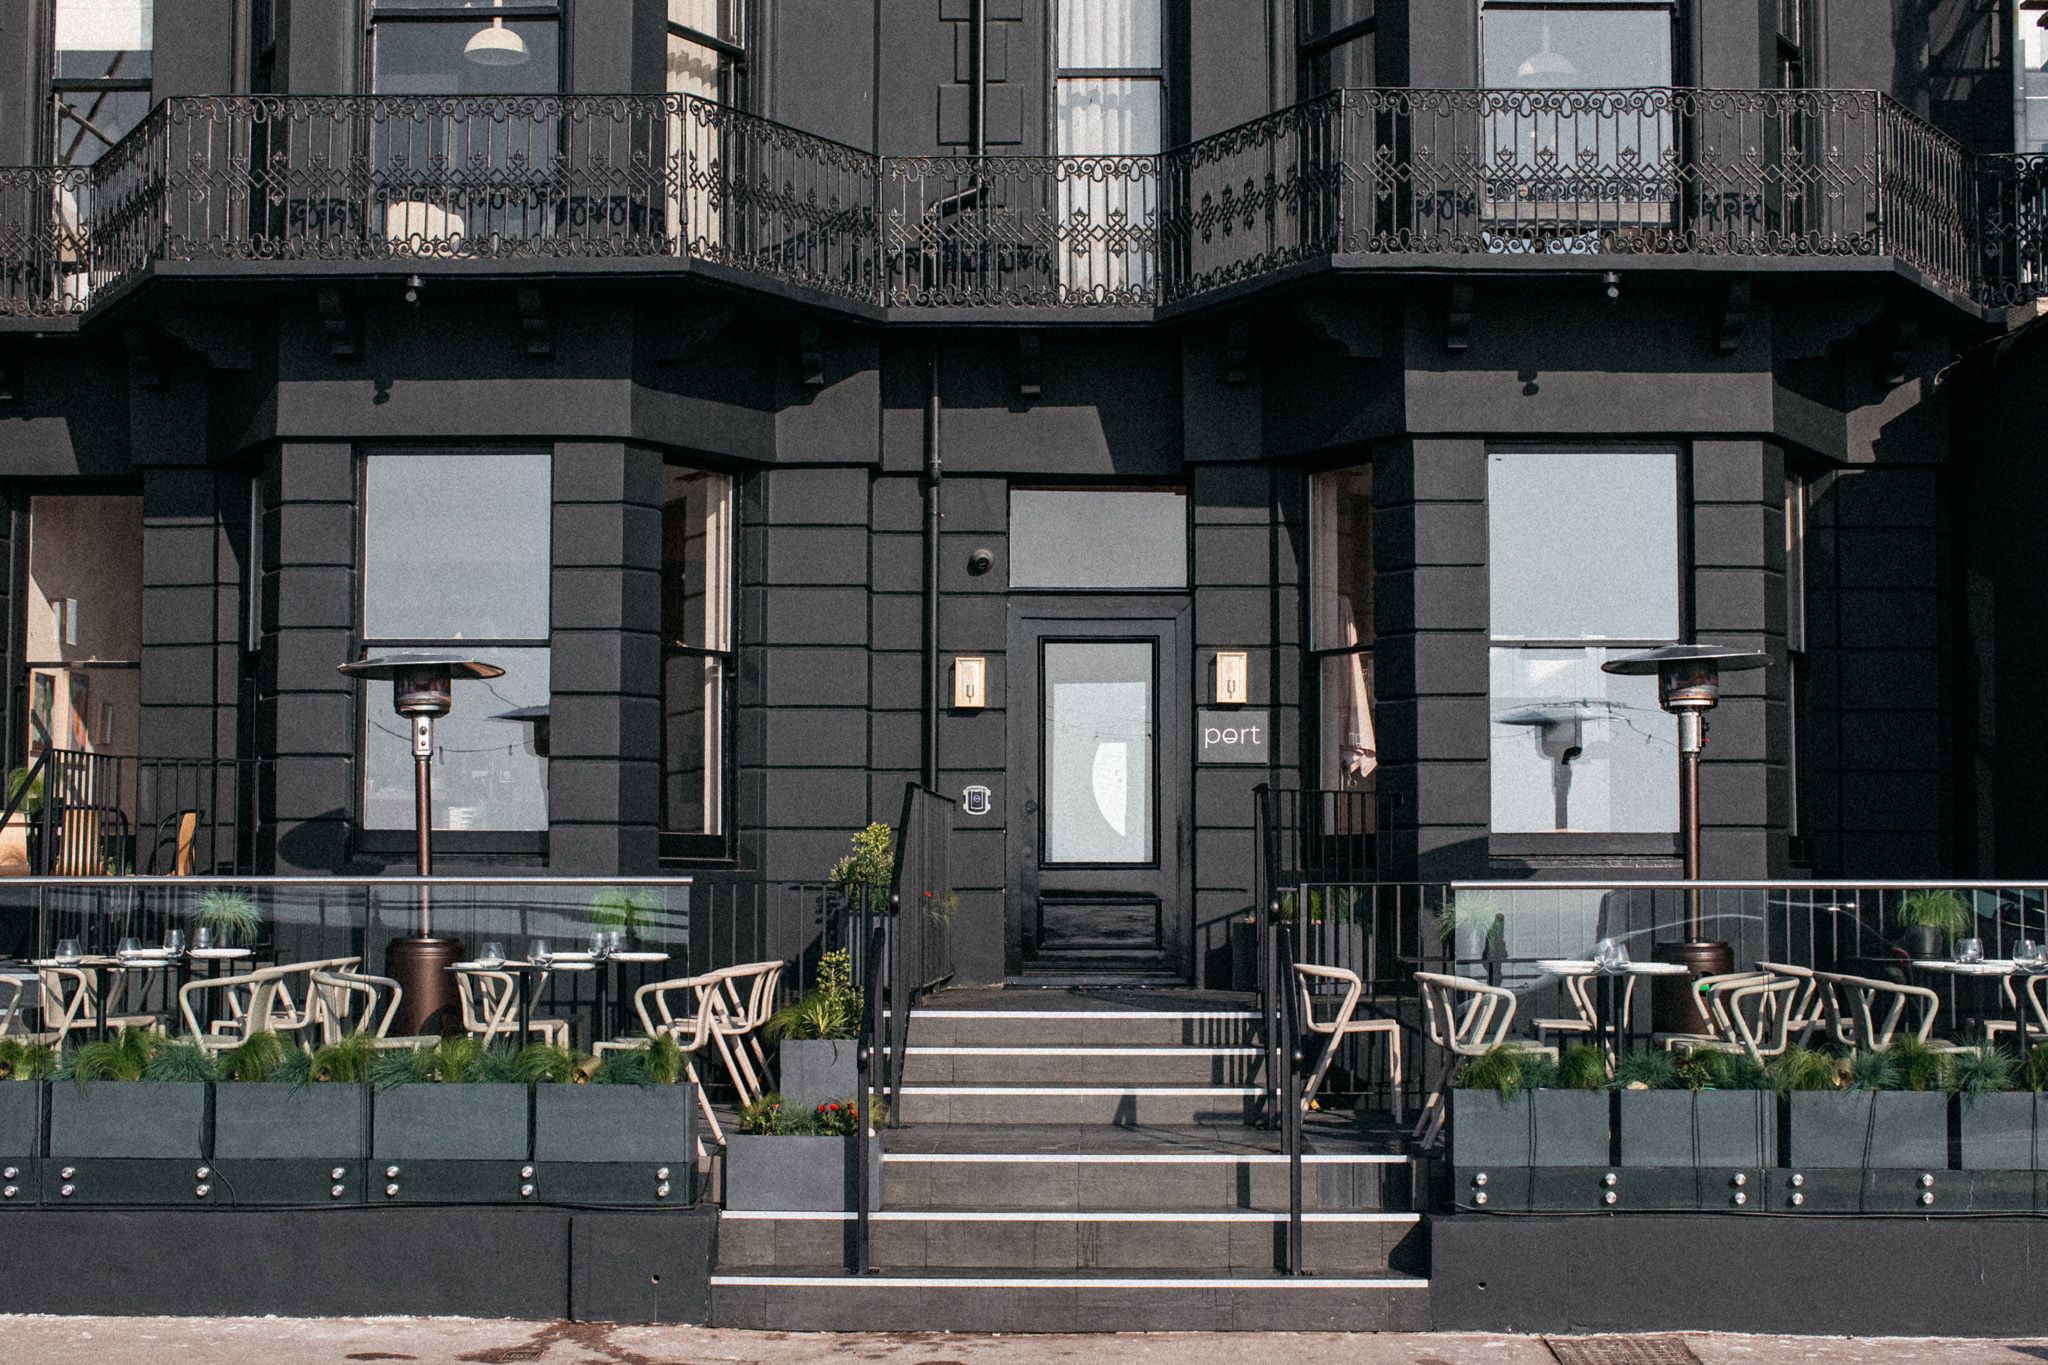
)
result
[(1686, 1149), (1997, 1132), (798, 1174), (21, 1141), (614, 1144), (1541, 1149), (128, 1142), (817, 1071), (451, 1144), (283, 1144), (1886, 1129)]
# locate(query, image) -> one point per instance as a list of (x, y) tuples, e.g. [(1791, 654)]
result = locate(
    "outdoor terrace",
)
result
[(1393, 179)]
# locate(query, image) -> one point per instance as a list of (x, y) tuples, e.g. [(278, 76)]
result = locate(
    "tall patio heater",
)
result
[(1688, 686), (422, 688)]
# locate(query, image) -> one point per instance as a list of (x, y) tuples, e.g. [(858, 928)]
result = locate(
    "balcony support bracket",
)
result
[(536, 320), (810, 345), (1029, 384), (1458, 330), (1734, 318)]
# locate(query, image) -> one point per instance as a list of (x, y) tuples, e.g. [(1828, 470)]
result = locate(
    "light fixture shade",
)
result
[(1546, 66), (495, 45)]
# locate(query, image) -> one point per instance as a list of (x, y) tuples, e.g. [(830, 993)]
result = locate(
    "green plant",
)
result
[(1983, 1071), (829, 1010), (21, 1060), (32, 801), (1582, 1067), (1940, 910), (545, 1064), (455, 1061), (1801, 1068), (1714, 1069), (256, 1058), (232, 916), (348, 1060), (1646, 1071), (1507, 1070), (769, 1116), (180, 1061), (1868, 1069), (1469, 910), (1919, 1066), (122, 1057), (2033, 1069), (658, 1061), (629, 912), (870, 865)]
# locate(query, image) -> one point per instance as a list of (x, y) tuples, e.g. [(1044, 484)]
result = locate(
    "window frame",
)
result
[(696, 846), (55, 87), (1315, 654), (1670, 9), (1313, 48), (1181, 490), (458, 842), (734, 69), (371, 14), (1572, 843), (1159, 76)]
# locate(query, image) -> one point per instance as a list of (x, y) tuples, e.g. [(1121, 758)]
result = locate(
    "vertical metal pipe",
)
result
[(1690, 725), (934, 679), (423, 812), (980, 88)]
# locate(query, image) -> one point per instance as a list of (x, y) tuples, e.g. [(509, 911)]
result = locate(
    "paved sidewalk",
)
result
[(269, 1341)]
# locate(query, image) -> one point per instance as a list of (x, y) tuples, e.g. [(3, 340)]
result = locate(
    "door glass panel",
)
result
[(1098, 752)]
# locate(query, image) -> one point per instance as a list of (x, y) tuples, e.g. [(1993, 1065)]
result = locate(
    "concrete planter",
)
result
[(1997, 1132), (283, 1144), (798, 1174), (1542, 1149), (1737, 1129), (1886, 1129), (817, 1071), (21, 1141), (614, 1144), (128, 1142), (451, 1143)]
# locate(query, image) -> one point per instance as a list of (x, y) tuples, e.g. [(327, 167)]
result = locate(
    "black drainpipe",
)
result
[(980, 77), (934, 671)]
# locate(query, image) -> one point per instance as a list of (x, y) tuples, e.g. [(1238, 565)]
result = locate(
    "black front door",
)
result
[(1099, 773)]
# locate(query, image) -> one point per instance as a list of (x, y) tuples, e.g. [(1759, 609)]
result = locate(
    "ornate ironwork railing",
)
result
[(1370, 173)]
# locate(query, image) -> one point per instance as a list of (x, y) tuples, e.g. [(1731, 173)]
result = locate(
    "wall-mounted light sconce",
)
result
[(970, 682), (1233, 677)]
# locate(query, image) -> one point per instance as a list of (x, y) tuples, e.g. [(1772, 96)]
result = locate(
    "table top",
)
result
[(1574, 966), (142, 962), (1990, 966), (514, 965), (221, 954), (639, 955)]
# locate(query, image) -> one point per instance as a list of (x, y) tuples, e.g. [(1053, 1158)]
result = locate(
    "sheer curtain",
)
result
[(696, 131), (1109, 104)]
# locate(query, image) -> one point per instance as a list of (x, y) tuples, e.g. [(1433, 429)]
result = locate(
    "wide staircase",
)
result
[(1092, 1160)]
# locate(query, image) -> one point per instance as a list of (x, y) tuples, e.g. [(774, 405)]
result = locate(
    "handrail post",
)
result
[(871, 936), (1291, 1102)]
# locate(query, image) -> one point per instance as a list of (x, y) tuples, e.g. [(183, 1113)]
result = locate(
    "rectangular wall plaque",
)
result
[(1234, 736), (1233, 677), (970, 682)]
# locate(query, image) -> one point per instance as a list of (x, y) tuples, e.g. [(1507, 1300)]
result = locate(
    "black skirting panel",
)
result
[(541, 1264), (1796, 1273)]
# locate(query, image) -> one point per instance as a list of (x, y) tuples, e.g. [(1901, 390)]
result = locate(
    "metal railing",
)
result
[(88, 814), (1386, 173)]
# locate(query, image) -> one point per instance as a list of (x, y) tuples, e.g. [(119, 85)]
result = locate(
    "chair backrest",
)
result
[(486, 998), (1875, 1009), (749, 991), (1709, 996), (690, 1027), (1483, 1021), (257, 1014), (1760, 1013), (1809, 1009), (65, 993), (11, 987), (2034, 984), (347, 1003), (288, 1015), (1309, 976), (180, 832)]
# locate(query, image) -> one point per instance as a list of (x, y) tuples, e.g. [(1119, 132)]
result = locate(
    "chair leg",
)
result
[(1394, 1077), (1435, 1120), (703, 1100), (1315, 1080), (1430, 1104)]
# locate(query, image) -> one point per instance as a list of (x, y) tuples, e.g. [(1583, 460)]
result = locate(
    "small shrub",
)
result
[(545, 1064), (1801, 1068), (453, 1061), (2034, 1069), (122, 1057), (1920, 1067), (658, 1061), (1984, 1071), (629, 912), (232, 916), (769, 1116), (256, 1058), (1582, 1067), (830, 1010), (1942, 910), (1508, 1071), (1648, 1070), (346, 1061), (21, 1060), (1714, 1069), (869, 866), (1871, 1070)]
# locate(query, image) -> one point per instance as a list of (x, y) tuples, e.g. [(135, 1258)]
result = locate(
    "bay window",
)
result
[(697, 659), (456, 557), (1582, 565), (1109, 101)]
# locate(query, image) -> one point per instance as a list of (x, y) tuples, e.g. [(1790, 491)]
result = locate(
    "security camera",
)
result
[(981, 561)]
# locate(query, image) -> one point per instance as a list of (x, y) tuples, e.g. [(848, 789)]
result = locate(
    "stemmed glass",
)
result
[(493, 954), (174, 943), (67, 951), (541, 953), (600, 944), (1609, 955), (129, 947), (2030, 955), (1970, 950)]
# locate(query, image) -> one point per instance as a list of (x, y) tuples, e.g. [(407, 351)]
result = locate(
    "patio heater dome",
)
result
[(495, 45), (1688, 676)]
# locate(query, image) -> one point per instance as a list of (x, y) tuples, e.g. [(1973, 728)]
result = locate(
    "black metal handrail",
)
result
[(1654, 171), (1289, 1080)]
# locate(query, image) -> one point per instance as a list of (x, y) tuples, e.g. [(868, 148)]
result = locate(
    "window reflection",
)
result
[(1578, 750), (1341, 626)]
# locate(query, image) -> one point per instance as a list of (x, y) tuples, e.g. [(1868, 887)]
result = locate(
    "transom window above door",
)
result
[(1098, 538)]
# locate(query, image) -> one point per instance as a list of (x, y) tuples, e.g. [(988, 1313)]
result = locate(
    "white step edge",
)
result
[(1064, 1216), (1234, 1016), (1190, 1050), (1022, 1090), (1146, 1158), (1030, 1282)]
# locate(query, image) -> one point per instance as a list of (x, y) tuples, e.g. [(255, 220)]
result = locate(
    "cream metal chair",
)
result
[(287, 1014), (1472, 1029), (75, 992), (490, 1008), (258, 992), (1809, 1009), (1344, 1023), (692, 1031), (2037, 1026), (1578, 993), (1868, 1013), (1757, 1014), (749, 998), (1712, 1025), (348, 1003)]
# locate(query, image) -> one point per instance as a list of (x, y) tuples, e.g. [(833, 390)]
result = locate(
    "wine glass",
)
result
[(598, 944), (493, 954), (202, 938), (174, 943), (1607, 955), (67, 950), (129, 947), (1970, 950), (540, 953)]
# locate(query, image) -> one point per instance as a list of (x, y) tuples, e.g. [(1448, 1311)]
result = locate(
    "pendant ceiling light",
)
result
[(495, 45), (1546, 66)]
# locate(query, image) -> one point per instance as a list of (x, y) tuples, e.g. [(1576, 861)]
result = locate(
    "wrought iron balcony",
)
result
[(1392, 177)]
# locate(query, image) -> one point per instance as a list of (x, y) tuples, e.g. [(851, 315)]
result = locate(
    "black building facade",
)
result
[(1099, 407)]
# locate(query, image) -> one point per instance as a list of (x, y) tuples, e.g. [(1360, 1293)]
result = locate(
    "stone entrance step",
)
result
[(1094, 1239), (1109, 1105), (1109, 1301), (1085, 1024), (1079, 1064)]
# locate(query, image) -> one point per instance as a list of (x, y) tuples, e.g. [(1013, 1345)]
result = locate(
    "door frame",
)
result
[(1108, 616)]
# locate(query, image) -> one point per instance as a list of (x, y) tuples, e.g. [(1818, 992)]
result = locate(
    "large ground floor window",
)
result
[(697, 659)]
